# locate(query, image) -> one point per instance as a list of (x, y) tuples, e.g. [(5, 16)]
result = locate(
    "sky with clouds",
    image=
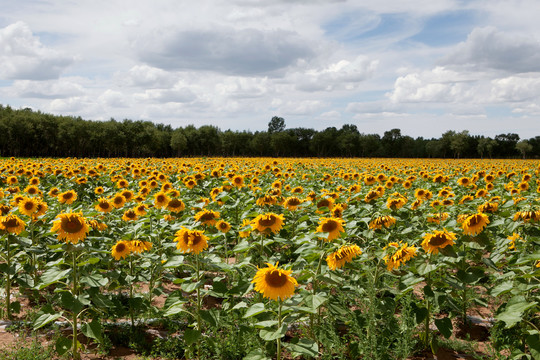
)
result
[(424, 67)]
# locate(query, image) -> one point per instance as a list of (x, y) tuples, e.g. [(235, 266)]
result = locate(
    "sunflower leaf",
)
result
[(254, 309), (44, 319), (52, 276), (270, 335), (191, 336), (302, 347), (256, 354), (514, 310)]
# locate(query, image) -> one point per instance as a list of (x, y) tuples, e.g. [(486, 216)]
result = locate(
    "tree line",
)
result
[(25, 133)]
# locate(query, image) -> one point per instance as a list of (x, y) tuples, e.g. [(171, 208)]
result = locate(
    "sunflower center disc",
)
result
[(72, 226), (268, 221), (437, 240), (275, 279), (329, 226)]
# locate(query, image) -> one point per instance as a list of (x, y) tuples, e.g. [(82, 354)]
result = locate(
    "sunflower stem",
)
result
[(280, 302), (75, 290), (8, 279), (198, 307), (131, 292)]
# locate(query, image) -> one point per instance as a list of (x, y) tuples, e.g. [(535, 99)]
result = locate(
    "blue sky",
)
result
[(424, 67)]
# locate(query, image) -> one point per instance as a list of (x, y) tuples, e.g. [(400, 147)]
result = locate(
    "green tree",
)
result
[(277, 124), (524, 147)]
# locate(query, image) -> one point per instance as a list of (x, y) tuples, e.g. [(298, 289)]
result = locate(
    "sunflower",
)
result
[(398, 254), (438, 240), (99, 190), (191, 241), (266, 200), (464, 181), (28, 206), (161, 200), (489, 207), (238, 181), (475, 223), (71, 227), (245, 228), (337, 211), (223, 226), (96, 225), (103, 205), (292, 203), (333, 226), (4, 209), (343, 255), (12, 224), (465, 199), (207, 217), (268, 222), (274, 283), (326, 202), (381, 221), (140, 246), (118, 201), (128, 194), (371, 196), (395, 203), (121, 249), (175, 205), (437, 218), (513, 238), (32, 190), (67, 197), (130, 215)]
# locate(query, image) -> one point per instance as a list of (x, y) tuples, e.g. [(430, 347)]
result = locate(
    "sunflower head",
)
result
[(398, 254), (223, 226), (67, 197), (274, 283), (71, 227), (269, 222), (332, 225), (139, 246), (103, 205), (343, 255), (28, 206), (475, 223), (175, 205), (438, 240), (130, 215), (191, 241), (207, 217), (121, 249), (12, 224)]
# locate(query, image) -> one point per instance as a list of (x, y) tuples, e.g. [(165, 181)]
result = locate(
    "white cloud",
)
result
[(488, 48), (146, 76), (224, 49), (113, 98), (23, 56), (177, 94), (48, 89)]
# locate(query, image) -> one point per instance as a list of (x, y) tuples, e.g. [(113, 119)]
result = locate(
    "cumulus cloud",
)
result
[(177, 94), (489, 48), (146, 76), (47, 89), (113, 98), (23, 56), (343, 74), (225, 49)]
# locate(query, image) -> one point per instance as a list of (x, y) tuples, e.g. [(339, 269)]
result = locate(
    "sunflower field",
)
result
[(263, 258)]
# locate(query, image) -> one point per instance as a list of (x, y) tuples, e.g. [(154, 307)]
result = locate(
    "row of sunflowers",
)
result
[(322, 258)]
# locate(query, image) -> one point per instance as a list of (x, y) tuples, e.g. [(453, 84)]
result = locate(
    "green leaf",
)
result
[(470, 277), (254, 309), (91, 261), (191, 336), (240, 305), (256, 354), (191, 286), (271, 335), (210, 316), (175, 308), (52, 276), (44, 319), (266, 324), (514, 310), (420, 313), (502, 288), (534, 345), (92, 330), (445, 326), (314, 301), (174, 261), (62, 345), (95, 280), (302, 347), (70, 302)]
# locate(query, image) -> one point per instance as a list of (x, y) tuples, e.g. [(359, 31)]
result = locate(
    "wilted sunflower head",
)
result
[(12, 224), (191, 241), (475, 223), (207, 217), (438, 240)]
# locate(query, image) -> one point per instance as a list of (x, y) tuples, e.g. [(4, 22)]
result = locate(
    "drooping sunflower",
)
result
[(333, 226), (326, 202), (130, 215), (12, 224), (103, 205), (4, 209), (513, 238), (381, 221), (67, 197), (488, 207), (207, 217), (474, 224), (140, 246), (266, 200), (269, 222), (121, 249), (292, 203), (245, 228), (42, 208), (28, 206), (395, 203), (438, 240), (175, 205), (71, 227), (191, 241), (223, 226), (437, 218), (398, 254), (343, 255), (274, 283)]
